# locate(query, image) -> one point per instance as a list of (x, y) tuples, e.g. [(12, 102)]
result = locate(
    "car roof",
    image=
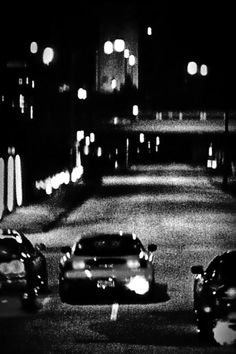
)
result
[(230, 254), (116, 235)]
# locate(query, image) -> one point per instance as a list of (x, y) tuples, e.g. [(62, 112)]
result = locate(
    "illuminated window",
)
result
[(20, 81), (108, 47), (119, 45), (192, 68)]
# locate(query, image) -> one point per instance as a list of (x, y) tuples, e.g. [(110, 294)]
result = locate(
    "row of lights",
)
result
[(48, 53), (193, 68), (119, 46)]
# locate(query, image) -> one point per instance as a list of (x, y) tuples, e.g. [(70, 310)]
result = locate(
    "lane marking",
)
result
[(114, 311)]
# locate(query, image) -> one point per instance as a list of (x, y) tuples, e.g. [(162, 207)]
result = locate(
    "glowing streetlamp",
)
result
[(48, 55), (119, 45), (82, 94), (149, 31), (132, 60), (204, 70), (108, 47), (33, 47), (192, 68)]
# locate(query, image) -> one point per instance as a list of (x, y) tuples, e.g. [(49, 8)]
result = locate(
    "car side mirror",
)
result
[(197, 269), (40, 247), (152, 247), (66, 249)]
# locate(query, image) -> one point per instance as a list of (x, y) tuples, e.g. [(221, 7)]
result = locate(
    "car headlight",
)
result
[(133, 263), (78, 265)]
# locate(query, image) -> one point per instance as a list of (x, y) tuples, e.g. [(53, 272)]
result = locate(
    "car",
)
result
[(23, 267), (111, 263), (214, 292)]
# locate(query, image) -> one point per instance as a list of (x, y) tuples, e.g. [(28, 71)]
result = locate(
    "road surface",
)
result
[(175, 206)]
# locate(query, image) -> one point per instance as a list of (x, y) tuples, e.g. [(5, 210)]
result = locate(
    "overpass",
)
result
[(172, 122)]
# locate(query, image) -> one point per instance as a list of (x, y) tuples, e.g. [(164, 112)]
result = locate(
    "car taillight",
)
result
[(13, 267), (230, 293), (133, 263), (78, 265)]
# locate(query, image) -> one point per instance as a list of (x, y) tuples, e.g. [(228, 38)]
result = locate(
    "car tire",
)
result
[(205, 327)]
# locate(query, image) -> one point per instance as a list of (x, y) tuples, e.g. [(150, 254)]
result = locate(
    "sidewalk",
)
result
[(42, 216)]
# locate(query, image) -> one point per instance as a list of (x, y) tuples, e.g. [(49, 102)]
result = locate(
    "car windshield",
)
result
[(9, 249), (224, 270), (108, 247), (227, 270)]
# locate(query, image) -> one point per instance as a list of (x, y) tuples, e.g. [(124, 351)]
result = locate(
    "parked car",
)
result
[(106, 263), (23, 267), (214, 292)]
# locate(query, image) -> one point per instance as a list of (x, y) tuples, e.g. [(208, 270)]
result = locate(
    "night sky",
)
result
[(203, 31), (198, 27)]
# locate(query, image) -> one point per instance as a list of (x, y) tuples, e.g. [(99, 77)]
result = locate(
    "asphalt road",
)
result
[(176, 207)]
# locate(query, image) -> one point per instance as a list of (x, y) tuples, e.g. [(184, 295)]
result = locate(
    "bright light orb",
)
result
[(48, 55), (135, 110), (192, 68), (132, 60), (149, 31), (113, 84), (203, 70), (119, 45), (126, 53), (33, 47), (108, 47)]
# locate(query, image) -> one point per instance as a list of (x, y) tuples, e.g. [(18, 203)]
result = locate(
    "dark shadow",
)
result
[(107, 297), (158, 330), (73, 197)]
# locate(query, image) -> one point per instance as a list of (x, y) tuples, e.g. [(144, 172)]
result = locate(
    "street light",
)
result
[(108, 47), (119, 45), (33, 47), (192, 68), (132, 60), (48, 55)]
